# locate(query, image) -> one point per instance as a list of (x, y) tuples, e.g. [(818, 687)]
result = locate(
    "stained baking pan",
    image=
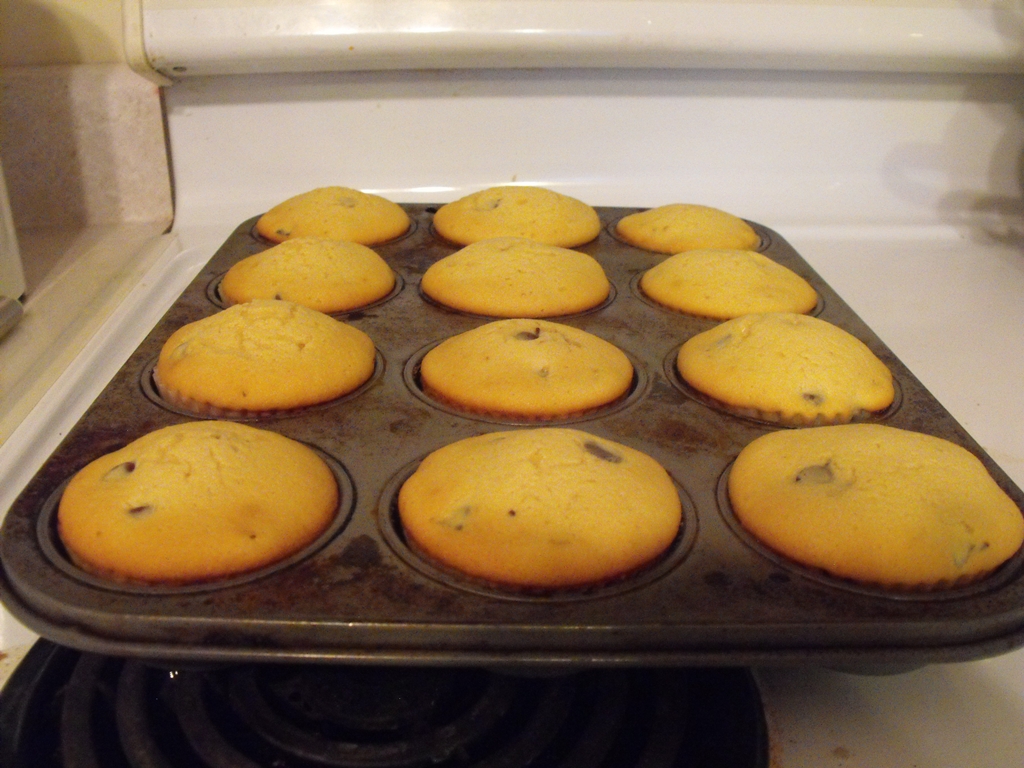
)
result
[(361, 594)]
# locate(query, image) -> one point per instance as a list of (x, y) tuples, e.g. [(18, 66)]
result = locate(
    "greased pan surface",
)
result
[(360, 593)]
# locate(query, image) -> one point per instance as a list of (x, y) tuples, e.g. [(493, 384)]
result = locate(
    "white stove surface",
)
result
[(903, 191)]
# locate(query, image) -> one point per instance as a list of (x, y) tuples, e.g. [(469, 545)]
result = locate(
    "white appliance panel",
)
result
[(181, 38), (786, 148)]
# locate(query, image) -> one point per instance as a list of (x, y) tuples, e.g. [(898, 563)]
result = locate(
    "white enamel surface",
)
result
[(944, 716), (786, 148), (192, 37)]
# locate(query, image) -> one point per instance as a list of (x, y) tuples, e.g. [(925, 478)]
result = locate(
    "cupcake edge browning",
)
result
[(318, 273), (875, 504), (543, 508), (786, 368), (723, 284), (679, 227), (535, 213), (516, 277), (337, 213), (526, 368), (196, 502), (261, 356)]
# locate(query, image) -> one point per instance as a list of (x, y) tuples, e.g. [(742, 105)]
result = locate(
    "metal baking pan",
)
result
[(360, 594)]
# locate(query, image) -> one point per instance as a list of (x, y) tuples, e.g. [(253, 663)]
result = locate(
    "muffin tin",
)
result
[(360, 593)]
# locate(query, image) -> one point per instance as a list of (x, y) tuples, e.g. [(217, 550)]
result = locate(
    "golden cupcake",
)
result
[(788, 368), (684, 227), (723, 284), (526, 369), (540, 508), (336, 213), (875, 504), (325, 275), (262, 356), (516, 277), (195, 502), (535, 213)]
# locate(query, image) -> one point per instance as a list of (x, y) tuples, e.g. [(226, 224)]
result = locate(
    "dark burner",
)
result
[(77, 710)]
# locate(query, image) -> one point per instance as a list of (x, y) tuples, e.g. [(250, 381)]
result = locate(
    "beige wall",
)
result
[(60, 32)]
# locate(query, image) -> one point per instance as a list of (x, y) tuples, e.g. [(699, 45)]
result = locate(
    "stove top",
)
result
[(70, 709), (902, 190)]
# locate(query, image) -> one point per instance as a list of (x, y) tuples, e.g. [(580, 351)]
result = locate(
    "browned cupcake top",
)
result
[(196, 501), (527, 368), (683, 227), (876, 504), (543, 508), (535, 213), (337, 213)]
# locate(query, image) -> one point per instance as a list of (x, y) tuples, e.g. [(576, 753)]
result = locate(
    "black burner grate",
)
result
[(65, 709)]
